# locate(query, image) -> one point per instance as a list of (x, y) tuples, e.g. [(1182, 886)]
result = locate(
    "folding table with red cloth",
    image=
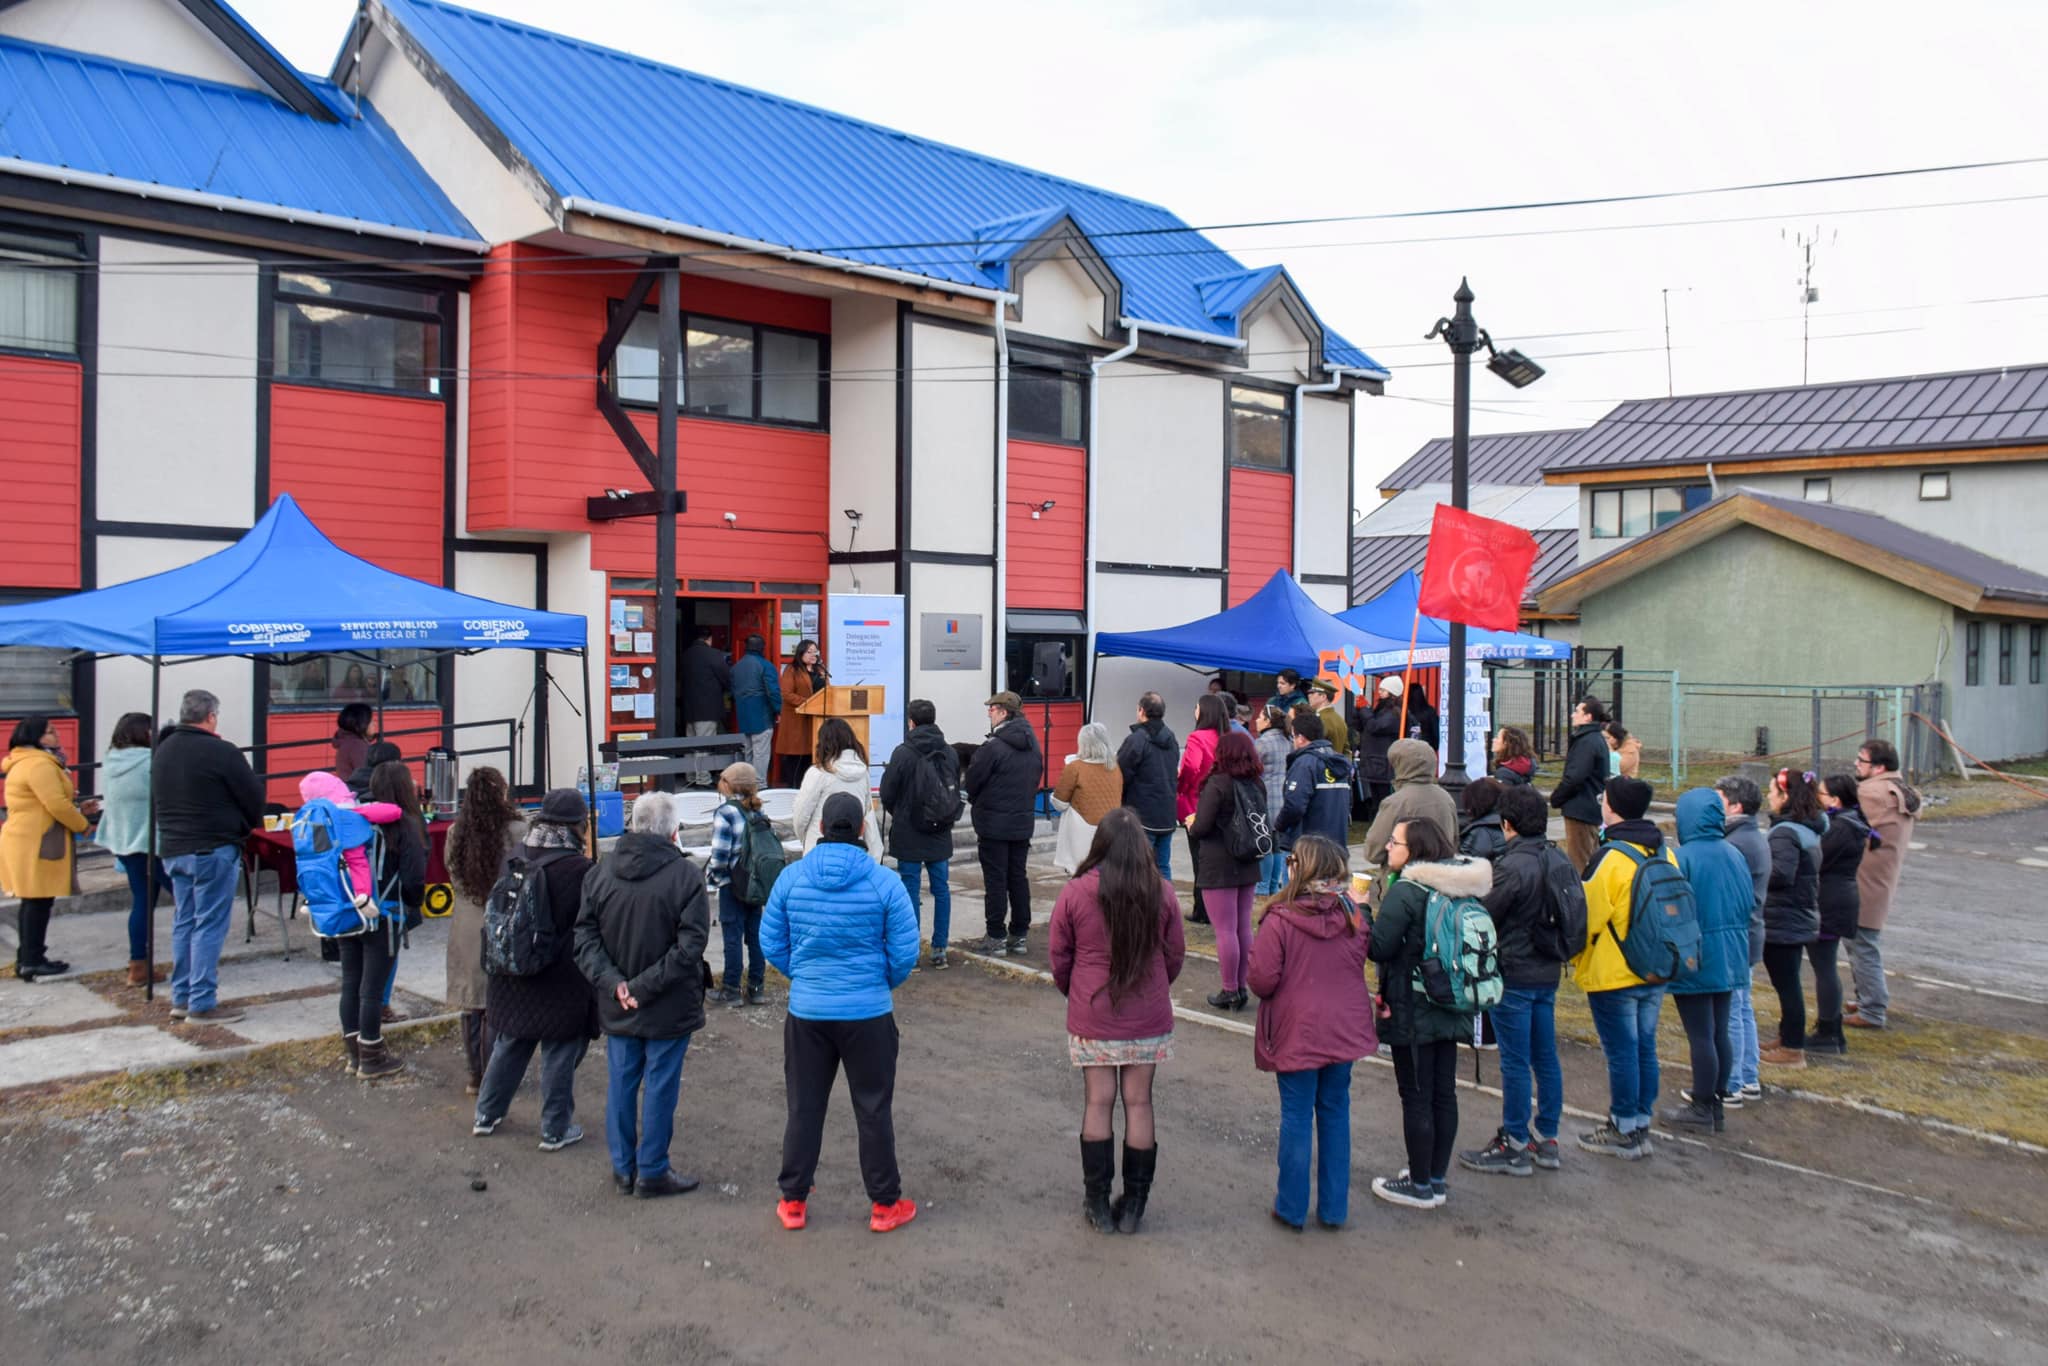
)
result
[(271, 850)]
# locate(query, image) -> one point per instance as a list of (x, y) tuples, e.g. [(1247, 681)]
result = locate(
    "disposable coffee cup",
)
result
[(270, 823)]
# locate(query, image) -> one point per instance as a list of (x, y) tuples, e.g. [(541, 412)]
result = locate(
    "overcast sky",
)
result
[(1226, 115)]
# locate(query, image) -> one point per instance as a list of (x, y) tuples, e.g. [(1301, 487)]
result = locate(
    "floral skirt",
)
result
[(1119, 1052)]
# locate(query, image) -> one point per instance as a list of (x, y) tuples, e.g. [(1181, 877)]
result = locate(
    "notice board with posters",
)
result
[(867, 648)]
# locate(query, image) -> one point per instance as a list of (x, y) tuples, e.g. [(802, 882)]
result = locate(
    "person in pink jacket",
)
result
[(315, 786), (1315, 1021), (1212, 723), (1116, 948)]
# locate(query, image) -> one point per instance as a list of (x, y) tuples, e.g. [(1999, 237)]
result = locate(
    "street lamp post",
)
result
[(1462, 333)]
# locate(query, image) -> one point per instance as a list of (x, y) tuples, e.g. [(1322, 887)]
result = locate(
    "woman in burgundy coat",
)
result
[(1315, 1020), (1116, 948)]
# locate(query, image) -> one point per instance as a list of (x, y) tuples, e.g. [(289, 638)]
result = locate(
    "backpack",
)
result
[(935, 800), (519, 924), (1564, 904), (1460, 967), (320, 833), (760, 861), (1248, 833), (1663, 940)]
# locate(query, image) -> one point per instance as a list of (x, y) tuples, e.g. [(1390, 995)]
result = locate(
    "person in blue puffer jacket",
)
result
[(840, 927), (1724, 893)]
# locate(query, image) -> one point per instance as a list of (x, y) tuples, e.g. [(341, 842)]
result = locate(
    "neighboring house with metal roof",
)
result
[(1760, 588), (1508, 459)]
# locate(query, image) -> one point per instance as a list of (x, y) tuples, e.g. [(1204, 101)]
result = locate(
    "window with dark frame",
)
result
[(1619, 513), (1045, 666), (733, 371), (1259, 424), (1934, 486), (356, 334), (39, 291), (1973, 653), (2034, 634), (2006, 632), (1046, 405)]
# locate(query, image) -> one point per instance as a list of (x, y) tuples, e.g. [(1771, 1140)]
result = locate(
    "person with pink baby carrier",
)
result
[(338, 846)]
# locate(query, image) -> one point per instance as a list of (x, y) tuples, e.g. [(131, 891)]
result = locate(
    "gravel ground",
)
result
[(289, 1215)]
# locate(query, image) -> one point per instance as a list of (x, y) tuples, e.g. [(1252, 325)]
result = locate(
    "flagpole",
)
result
[(1408, 669)]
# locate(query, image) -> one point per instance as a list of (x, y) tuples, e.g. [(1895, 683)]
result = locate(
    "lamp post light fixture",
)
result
[(1463, 334)]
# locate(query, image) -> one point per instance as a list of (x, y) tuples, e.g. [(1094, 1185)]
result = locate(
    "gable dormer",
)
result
[(1065, 288)]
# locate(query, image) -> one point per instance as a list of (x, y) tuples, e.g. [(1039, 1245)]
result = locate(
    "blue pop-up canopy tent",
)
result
[(1393, 613), (1277, 626), (284, 590)]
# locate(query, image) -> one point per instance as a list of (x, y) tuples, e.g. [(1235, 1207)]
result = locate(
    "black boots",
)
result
[(354, 1052), (374, 1061), (1098, 1174), (1139, 1164), (1828, 1039)]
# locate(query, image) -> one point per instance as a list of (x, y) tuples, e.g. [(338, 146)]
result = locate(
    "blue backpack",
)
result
[(1662, 945), (320, 833)]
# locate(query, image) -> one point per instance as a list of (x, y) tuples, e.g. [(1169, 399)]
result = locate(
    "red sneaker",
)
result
[(790, 1212), (887, 1217)]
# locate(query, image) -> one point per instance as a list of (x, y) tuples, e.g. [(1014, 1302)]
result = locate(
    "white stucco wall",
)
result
[(123, 684), (177, 391), (496, 683), (863, 420), (952, 440), (574, 587), (158, 33), (1057, 299), (1324, 499), (1275, 348), (1160, 468), (862, 578), (1147, 602), (959, 695)]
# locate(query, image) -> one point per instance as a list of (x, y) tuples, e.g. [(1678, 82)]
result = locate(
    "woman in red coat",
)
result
[(1116, 949)]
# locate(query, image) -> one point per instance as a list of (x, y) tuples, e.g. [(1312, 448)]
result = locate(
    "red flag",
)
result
[(1476, 570)]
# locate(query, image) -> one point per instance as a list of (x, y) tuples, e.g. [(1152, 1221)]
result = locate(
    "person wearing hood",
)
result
[(1843, 848), (37, 852), (920, 850), (842, 766), (1723, 897), (1514, 759), (1740, 801), (1315, 1021), (640, 940), (124, 832), (839, 926), (756, 702), (1479, 821), (1792, 905), (1316, 798), (1416, 797), (1149, 759), (1002, 789), (1577, 794), (1423, 722), (1891, 806), (1379, 728), (1422, 1034), (1624, 1006)]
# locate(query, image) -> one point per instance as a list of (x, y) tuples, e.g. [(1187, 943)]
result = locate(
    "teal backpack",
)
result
[(1460, 967)]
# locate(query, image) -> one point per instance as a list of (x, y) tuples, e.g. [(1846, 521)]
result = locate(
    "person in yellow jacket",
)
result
[(1624, 1006), (35, 843)]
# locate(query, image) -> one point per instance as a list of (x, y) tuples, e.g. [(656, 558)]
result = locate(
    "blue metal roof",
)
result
[(96, 116), (709, 154)]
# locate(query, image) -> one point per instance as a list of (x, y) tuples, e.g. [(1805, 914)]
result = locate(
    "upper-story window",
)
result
[(1819, 490), (1933, 486), (1259, 425), (1619, 513), (39, 291), (1046, 404), (738, 371), (356, 334)]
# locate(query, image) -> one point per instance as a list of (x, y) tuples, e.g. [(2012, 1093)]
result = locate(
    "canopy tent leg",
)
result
[(1094, 665), (156, 674)]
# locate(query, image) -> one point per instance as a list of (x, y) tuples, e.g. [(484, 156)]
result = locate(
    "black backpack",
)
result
[(519, 925), (1565, 906), (935, 803), (1248, 834)]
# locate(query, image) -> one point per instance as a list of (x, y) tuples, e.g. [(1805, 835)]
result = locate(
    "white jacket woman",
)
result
[(847, 771)]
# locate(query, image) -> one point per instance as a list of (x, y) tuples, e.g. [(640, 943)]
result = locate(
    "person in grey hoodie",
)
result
[(1740, 799)]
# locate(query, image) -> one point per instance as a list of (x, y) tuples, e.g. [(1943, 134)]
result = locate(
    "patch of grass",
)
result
[(1933, 1069)]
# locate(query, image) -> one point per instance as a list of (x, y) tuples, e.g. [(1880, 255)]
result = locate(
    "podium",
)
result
[(852, 704)]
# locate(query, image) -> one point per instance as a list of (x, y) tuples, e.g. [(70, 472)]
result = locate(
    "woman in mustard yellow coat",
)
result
[(35, 843)]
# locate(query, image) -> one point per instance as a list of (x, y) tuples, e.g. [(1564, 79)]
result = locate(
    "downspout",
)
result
[(1334, 383), (1096, 365), (1713, 484), (999, 661)]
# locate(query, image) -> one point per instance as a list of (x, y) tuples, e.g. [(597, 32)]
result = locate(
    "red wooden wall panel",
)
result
[(40, 402), (1067, 720), (1261, 529), (308, 734), (367, 468), (492, 392), (1045, 559)]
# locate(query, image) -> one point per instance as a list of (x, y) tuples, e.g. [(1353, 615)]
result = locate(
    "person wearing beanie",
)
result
[(1624, 1006), (1378, 729), (553, 1010), (839, 926)]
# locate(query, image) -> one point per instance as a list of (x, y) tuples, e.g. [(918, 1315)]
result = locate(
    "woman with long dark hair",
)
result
[(1227, 881), (369, 961), (1842, 847), (1792, 905), (352, 738), (803, 676), (37, 858), (842, 766), (124, 833), (487, 828), (1197, 757), (1116, 949)]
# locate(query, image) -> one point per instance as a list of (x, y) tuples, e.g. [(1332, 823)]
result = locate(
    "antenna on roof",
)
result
[(1809, 294)]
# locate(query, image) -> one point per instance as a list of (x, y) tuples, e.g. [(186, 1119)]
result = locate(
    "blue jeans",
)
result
[(140, 903), (1317, 1102), (1742, 1044), (1162, 850), (1525, 1027), (203, 892), (638, 1127), (740, 926), (941, 875), (1626, 1019), (1272, 872)]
